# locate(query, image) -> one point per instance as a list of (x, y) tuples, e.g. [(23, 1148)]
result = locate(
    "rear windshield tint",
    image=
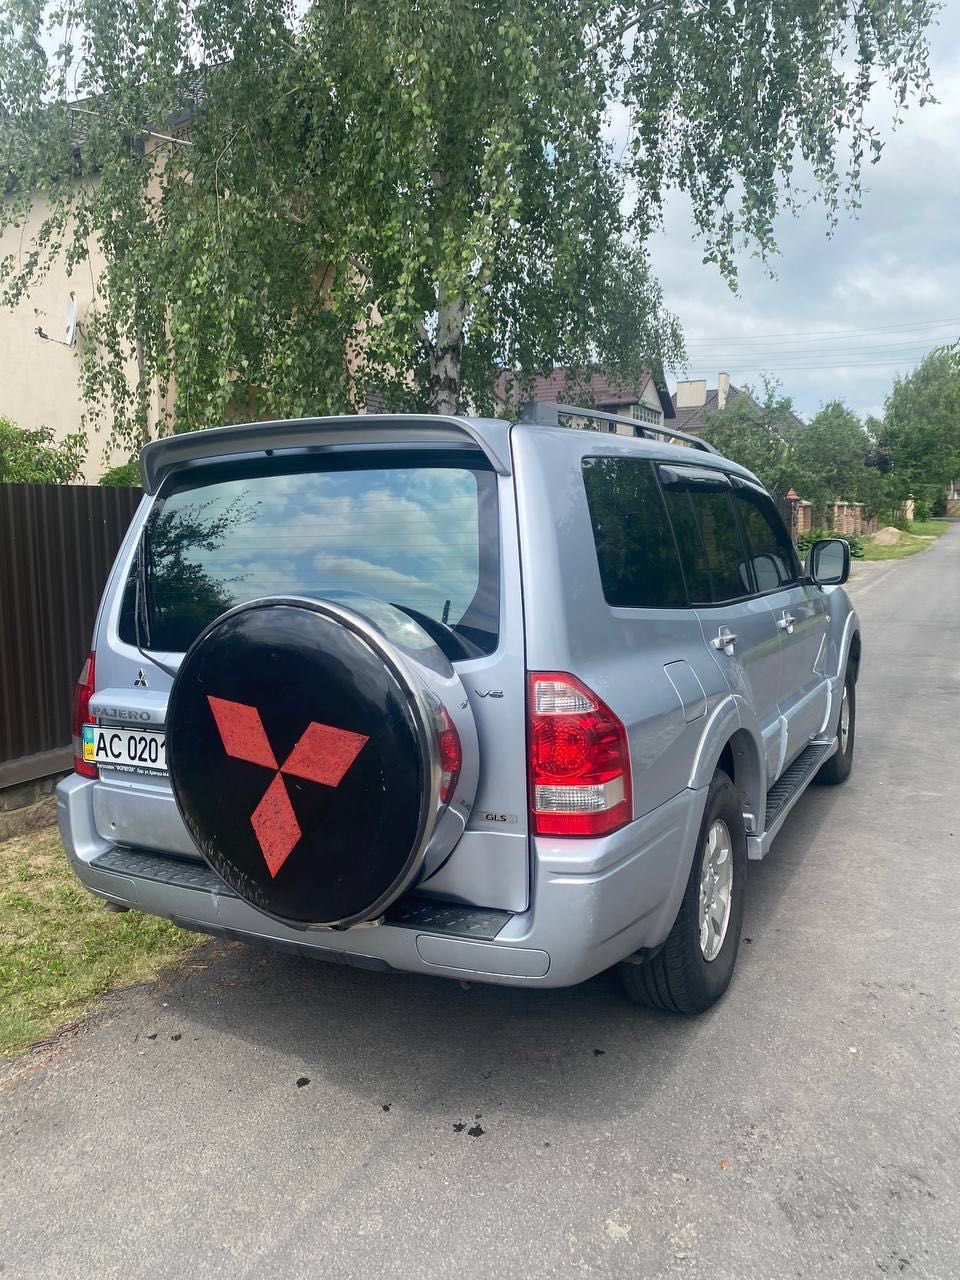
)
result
[(421, 533)]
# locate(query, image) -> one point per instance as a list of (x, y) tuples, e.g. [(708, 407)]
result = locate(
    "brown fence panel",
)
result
[(57, 543)]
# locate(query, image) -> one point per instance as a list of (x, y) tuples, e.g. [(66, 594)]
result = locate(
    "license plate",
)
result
[(132, 751)]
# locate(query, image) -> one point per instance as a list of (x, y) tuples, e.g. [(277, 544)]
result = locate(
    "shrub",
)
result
[(127, 473), (806, 540), (36, 457)]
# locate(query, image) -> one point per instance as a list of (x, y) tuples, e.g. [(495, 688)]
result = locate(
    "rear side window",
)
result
[(771, 551), (421, 533), (636, 552), (701, 511)]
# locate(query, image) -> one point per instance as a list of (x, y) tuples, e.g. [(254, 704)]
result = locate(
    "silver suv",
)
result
[(505, 701)]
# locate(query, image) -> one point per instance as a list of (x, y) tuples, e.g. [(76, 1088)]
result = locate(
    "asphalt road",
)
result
[(256, 1115)]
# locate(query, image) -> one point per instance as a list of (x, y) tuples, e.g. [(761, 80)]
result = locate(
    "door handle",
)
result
[(725, 640), (786, 623)]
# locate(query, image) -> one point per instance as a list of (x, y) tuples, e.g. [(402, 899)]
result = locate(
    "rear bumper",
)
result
[(592, 902)]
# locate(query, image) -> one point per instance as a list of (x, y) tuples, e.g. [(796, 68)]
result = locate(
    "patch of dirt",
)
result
[(888, 537)]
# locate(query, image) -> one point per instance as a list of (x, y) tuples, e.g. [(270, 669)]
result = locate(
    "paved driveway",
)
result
[(261, 1116)]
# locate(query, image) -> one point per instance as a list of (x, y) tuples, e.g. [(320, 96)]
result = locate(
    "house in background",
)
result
[(40, 381), (693, 400), (641, 399), (40, 376)]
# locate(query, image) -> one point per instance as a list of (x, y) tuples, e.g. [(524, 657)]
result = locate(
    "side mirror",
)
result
[(828, 562)]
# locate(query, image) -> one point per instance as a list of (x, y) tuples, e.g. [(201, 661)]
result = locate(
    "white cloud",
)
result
[(409, 536), (862, 299)]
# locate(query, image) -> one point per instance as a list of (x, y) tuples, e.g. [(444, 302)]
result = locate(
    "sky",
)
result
[(843, 315)]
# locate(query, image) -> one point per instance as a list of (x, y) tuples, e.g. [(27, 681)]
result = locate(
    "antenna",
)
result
[(71, 327)]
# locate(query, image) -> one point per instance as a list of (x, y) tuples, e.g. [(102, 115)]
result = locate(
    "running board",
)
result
[(786, 791)]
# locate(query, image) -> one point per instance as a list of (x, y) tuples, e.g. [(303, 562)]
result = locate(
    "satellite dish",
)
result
[(71, 327)]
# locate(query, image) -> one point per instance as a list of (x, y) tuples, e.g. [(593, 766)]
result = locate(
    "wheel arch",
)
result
[(729, 744), (848, 647), (740, 760), (853, 656)]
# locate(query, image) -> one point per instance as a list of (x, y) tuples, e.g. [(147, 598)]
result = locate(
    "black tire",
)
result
[(837, 768), (679, 978)]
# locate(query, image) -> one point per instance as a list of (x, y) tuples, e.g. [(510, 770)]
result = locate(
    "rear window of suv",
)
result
[(418, 532)]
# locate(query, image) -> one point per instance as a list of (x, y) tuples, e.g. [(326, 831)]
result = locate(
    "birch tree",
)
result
[(299, 208)]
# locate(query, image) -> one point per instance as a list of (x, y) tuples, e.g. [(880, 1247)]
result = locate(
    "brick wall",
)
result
[(849, 517)]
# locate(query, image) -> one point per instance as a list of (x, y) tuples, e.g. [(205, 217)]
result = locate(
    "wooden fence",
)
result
[(57, 543)]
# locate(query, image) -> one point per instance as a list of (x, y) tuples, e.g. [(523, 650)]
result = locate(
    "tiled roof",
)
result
[(602, 390), (597, 390), (194, 91), (692, 419)]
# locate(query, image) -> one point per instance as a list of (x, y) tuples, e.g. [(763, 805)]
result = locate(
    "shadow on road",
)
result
[(424, 1042), (809, 824)]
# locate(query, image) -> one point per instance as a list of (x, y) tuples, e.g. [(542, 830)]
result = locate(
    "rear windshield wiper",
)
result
[(442, 634)]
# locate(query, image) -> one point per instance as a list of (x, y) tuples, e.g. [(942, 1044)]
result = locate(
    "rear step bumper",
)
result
[(410, 912), (592, 903)]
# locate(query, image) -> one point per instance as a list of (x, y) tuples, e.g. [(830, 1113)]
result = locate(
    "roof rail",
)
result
[(546, 413)]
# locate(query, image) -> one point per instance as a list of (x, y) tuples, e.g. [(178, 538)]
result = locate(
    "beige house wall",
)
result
[(692, 393), (651, 399), (40, 380)]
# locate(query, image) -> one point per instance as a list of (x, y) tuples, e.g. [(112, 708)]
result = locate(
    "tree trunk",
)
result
[(446, 358)]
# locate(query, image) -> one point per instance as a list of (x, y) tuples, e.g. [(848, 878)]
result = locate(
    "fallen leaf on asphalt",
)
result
[(724, 1164)]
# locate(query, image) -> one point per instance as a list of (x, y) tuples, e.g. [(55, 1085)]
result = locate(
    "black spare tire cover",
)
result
[(300, 762)]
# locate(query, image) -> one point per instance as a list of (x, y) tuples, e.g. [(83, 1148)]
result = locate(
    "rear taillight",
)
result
[(81, 716), (579, 759), (451, 754)]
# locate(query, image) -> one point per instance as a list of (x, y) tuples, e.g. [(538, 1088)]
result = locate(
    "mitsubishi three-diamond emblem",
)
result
[(322, 754)]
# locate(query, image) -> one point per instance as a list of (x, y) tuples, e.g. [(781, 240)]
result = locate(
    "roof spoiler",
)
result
[(161, 456)]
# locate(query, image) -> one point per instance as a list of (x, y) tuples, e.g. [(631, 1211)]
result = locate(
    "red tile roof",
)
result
[(602, 391), (596, 390)]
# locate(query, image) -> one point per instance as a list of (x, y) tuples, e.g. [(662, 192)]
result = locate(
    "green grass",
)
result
[(929, 528), (920, 536), (907, 546), (59, 948)]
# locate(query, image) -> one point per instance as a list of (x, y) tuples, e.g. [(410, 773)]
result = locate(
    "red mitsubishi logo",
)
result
[(322, 754)]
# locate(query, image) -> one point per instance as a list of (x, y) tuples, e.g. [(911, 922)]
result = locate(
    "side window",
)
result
[(714, 560), (771, 551), (636, 553)]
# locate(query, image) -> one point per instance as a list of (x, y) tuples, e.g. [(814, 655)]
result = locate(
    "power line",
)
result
[(800, 352), (767, 367), (825, 335)]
